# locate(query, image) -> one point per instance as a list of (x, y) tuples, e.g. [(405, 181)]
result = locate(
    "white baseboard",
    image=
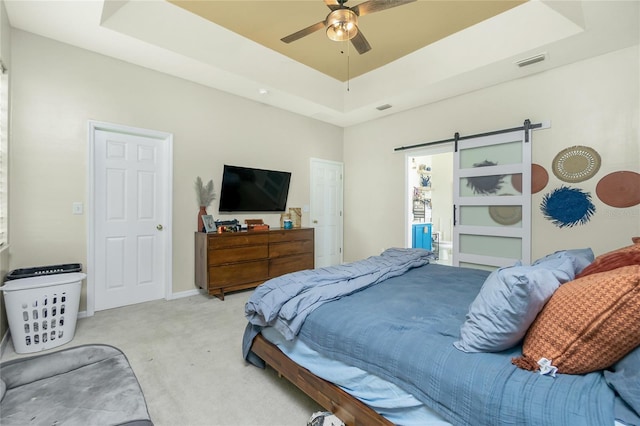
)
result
[(172, 296), (188, 293)]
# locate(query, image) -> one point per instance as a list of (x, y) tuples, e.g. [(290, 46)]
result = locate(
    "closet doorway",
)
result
[(429, 181)]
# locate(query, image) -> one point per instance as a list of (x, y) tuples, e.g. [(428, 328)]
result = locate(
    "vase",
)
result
[(203, 210)]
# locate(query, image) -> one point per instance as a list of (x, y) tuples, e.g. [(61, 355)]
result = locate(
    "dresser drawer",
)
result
[(238, 273), (236, 239), (238, 254), (290, 235), (289, 248), (284, 265)]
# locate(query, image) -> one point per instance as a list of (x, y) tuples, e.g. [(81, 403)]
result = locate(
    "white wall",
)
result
[(57, 88), (592, 103)]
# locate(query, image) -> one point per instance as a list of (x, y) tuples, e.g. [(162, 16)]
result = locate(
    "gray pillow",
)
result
[(581, 258), (509, 301)]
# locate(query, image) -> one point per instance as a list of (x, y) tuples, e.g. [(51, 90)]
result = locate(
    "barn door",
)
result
[(492, 200)]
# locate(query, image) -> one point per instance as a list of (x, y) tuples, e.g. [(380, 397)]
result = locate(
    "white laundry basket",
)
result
[(42, 311)]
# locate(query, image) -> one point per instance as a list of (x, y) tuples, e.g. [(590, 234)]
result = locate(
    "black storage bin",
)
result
[(43, 270)]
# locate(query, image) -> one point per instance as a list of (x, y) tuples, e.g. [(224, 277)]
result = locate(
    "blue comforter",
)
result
[(403, 330), (284, 302)]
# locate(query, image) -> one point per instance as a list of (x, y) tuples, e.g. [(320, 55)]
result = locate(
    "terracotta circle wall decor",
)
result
[(576, 164), (567, 207), (619, 189), (539, 179)]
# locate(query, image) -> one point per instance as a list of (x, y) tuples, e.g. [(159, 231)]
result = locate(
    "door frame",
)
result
[(408, 196), (167, 138)]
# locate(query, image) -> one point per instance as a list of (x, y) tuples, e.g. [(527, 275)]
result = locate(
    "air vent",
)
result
[(383, 107), (531, 60)]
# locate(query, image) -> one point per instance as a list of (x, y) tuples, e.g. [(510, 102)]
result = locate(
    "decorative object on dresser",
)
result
[(227, 226), (283, 217), (256, 225), (296, 216), (241, 260), (205, 194), (209, 223)]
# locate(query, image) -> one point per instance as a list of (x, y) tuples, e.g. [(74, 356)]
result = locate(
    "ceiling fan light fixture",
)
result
[(342, 25)]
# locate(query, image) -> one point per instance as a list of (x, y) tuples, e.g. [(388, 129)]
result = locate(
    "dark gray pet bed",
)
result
[(84, 385)]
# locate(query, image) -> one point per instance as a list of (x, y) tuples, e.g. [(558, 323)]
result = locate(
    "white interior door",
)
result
[(492, 200), (326, 211), (131, 218)]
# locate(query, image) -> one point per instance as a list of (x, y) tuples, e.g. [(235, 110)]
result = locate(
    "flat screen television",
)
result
[(245, 189)]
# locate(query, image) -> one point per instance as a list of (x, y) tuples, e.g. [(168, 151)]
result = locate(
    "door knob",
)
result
[(315, 221), (159, 228)]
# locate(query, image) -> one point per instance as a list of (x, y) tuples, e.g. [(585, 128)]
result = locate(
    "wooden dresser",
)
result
[(234, 261)]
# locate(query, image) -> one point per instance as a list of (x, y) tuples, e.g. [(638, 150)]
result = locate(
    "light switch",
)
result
[(77, 208)]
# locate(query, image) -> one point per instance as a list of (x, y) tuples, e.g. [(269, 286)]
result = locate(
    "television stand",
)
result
[(233, 261)]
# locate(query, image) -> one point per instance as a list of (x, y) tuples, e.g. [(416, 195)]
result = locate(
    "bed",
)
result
[(404, 358)]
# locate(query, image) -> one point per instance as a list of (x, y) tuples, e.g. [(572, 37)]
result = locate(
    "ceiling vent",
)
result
[(383, 107), (531, 60)]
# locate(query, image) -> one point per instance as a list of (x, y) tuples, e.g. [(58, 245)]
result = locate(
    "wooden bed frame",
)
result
[(349, 409)]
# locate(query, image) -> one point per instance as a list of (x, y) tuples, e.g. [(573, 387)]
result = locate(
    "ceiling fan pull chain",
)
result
[(348, 64)]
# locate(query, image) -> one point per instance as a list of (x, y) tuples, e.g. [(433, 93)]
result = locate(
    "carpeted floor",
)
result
[(187, 356)]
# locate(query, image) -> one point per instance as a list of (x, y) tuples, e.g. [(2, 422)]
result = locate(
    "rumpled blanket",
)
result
[(284, 302)]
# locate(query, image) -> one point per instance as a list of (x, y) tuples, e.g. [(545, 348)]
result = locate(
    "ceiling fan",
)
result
[(342, 22)]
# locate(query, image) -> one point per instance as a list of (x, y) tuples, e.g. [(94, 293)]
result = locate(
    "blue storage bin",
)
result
[(422, 236)]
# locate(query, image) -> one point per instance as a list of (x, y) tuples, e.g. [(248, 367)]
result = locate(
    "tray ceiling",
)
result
[(392, 33), (422, 52)]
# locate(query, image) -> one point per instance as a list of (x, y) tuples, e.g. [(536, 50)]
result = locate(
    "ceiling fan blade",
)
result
[(360, 43), (332, 4), (304, 32), (372, 6)]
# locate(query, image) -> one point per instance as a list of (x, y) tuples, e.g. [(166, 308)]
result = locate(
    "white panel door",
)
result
[(129, 222), (492, 200), (326, 211)]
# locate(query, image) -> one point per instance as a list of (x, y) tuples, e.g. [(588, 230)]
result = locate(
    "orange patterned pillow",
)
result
[(624, 256), (588, 324)]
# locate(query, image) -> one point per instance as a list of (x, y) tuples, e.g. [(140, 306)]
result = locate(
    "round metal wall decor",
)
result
[(576, 164)]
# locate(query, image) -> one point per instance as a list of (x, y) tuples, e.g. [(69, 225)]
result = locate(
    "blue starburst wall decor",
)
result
[(567, 207)]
